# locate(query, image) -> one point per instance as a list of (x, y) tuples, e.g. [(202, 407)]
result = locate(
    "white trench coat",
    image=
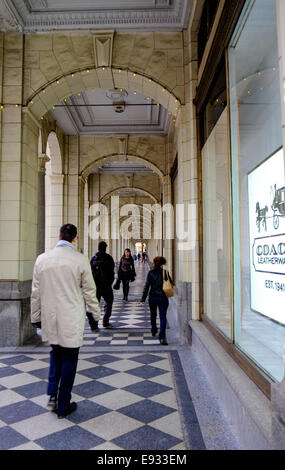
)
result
[(63, 289)]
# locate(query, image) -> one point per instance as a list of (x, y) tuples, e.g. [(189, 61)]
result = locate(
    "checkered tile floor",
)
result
[(125, 401), (115, 338), (129, 315)]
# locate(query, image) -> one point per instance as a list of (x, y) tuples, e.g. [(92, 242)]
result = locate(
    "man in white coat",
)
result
[(63, 290)]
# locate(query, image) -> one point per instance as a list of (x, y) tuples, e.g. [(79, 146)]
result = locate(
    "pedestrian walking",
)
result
[(103, 270), (154, 287), (62, 289), (126, 272)]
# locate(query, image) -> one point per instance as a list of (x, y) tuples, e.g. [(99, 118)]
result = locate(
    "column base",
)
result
[(15, 316), (180, 312)]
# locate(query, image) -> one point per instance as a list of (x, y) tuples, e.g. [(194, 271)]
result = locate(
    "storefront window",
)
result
[(258, 188), (216, 207)]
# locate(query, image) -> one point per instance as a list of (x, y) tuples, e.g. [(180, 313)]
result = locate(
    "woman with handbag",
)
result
[(126, 272), (161, 287)]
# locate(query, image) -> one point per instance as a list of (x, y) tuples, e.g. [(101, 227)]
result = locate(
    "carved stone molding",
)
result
[(42, 160), (40, 15), (83, 178), (10, 20), (123, 144), (103, 48)]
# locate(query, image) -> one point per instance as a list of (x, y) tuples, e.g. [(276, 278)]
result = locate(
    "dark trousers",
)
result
[(160, 302), (107, 293), (126, 287), (63, 365)]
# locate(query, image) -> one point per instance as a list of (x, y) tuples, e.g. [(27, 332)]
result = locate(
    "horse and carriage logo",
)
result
[(277, 206)]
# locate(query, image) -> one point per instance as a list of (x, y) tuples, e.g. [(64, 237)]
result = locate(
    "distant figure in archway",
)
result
[(126, 272), (103, 267)]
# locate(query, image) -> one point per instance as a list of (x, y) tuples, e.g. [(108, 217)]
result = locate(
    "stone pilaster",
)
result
[(42, 160), (54, 216)]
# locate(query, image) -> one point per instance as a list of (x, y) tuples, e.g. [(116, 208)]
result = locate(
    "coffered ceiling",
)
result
[(51, 15), (94, 113)]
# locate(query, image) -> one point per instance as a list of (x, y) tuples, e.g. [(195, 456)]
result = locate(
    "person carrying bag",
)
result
[(126, 272), (159, 287)]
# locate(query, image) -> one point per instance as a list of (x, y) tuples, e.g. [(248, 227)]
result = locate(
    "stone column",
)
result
[(168, 222), (54, 208), (86, 234), (18, 196), (42, 160), (93, 195), (81, 212)]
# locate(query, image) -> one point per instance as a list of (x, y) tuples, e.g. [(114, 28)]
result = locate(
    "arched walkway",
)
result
[(62, 87)]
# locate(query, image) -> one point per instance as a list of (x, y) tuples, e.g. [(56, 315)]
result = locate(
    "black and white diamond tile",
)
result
[(115, 338), (128, 315), (125, 401)]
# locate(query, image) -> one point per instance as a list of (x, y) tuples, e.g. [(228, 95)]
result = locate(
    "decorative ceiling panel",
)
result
[(55, 15), (93, 113)]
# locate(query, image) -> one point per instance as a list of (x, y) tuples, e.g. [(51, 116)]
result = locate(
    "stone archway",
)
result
[(90, 168), (115, 191), (61, 88)]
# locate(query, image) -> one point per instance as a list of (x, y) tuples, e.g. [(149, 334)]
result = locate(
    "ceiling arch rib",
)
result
[(64, 87), (127, 191), (110, 159)]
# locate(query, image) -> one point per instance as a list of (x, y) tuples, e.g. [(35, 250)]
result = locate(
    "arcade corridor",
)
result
[(157, 125)]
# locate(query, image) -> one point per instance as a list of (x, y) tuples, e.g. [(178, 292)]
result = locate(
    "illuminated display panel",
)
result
[(266, 187)]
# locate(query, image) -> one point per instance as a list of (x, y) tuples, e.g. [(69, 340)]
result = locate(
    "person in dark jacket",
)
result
[(157, 298), (103, 266), (126, 272)]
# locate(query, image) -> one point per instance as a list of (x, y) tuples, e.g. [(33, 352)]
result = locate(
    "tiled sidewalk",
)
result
[(132, 392), (125, 401)]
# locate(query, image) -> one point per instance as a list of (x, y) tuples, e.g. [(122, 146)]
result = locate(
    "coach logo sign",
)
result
[(268, 254), (266, 216)]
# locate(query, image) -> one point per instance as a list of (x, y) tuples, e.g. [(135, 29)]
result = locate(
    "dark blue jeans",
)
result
[(63, 365), (107, 293), (162, 303)]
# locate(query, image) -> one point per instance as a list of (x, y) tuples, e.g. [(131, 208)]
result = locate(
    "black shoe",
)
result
[(154, 332), (163, 342), (72, 407), (95, 330), (108, 326), (52, 403)]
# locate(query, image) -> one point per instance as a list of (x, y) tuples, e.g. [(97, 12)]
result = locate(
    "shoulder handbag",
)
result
[(167, 286), (117, 284)]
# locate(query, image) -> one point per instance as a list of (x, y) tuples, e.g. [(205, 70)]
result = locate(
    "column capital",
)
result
[(83, 178), (166, 179), (42, 160)]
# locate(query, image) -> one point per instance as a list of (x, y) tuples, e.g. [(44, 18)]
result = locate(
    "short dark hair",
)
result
[(68, 232), (158, 262), (102, 246)]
